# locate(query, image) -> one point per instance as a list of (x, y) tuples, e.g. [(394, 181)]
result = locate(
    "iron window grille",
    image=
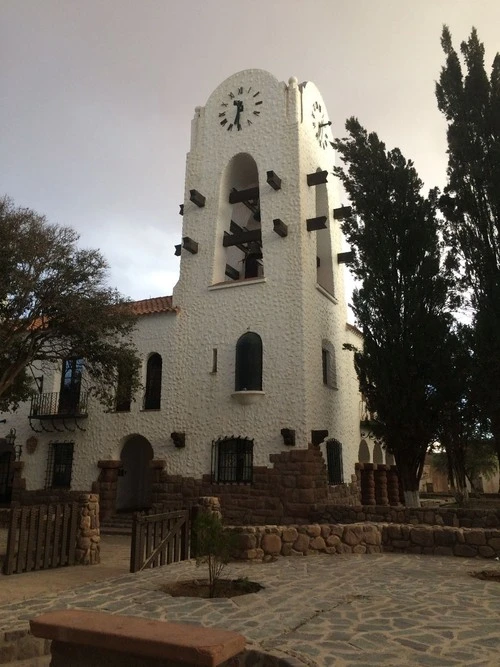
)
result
[(334, 462), (232, 460), (59, 465)]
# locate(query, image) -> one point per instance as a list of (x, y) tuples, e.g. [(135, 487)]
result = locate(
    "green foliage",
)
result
[(54, 303), (401, 306), (214, 546), (480, 460), (470, 102)]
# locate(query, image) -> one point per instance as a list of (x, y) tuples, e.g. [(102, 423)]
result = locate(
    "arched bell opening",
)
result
[(363, 452), (135, 481), (241, 254), (324, 263)]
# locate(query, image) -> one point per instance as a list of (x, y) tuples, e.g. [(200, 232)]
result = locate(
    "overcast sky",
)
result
[(97, 97)]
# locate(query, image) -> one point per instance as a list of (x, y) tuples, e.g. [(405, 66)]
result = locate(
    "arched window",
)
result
[(329, 365), (152, 398), (248, 370), (334, 462)]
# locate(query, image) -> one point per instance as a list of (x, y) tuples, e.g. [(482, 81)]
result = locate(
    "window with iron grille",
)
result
[(232, 460), (334, 462), (59, 465)]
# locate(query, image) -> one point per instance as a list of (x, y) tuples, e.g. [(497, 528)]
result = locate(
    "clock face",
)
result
[(321, 125), (240, 108)]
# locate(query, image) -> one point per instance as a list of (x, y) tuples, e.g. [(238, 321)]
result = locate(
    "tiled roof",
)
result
[(159, 304), (354, 329)]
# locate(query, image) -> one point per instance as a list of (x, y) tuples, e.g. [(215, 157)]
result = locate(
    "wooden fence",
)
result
[(41, 537), (159, 539)]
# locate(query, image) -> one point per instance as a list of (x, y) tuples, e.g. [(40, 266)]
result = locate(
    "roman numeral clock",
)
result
[(240, 108)]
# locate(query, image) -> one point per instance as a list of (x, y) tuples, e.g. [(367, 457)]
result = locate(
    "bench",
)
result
[(89, 638)]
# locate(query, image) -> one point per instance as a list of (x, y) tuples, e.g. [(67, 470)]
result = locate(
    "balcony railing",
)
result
[(54, 405)]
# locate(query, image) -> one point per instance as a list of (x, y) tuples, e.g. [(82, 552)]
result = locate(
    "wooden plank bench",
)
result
[(87, 638)]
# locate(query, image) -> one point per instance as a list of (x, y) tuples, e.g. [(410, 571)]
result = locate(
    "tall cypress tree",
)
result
[(470, 102), (401, 304)]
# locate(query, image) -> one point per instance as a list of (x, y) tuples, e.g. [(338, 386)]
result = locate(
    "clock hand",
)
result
[(239, 109)]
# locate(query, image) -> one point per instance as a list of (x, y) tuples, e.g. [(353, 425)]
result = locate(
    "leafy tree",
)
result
[(214, 546), (400, 307), (54, 304), (461, 425), (480, 460), (470, 102)]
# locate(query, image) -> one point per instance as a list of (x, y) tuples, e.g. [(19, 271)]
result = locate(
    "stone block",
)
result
[(289, 534), (301, 543), (445, 537), (359, 549), (314, 531), (494, 543), (317, 543), (325, 531), (333, 541), (286, 549), (352, 535), (476, 537), (422, 536), (465, 550), (487, 552), (443, 551), (246, 541), (271, 544)]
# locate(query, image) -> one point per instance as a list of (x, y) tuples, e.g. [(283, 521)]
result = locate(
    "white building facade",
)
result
[(246, 359)]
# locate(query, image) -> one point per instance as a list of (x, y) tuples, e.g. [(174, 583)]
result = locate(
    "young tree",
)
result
[(401, 304), (54, 304), (470, 102)]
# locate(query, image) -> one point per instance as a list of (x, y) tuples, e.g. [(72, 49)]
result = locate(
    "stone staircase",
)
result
[(119, 524)]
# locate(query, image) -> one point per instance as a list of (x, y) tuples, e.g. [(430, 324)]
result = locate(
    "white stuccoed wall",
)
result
[(285, 308)]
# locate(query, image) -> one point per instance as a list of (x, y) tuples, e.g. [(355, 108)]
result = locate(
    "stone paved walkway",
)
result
[(325, 611)]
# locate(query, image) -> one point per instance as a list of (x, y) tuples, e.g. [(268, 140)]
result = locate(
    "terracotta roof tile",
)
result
[(354, 329), (159, 304)]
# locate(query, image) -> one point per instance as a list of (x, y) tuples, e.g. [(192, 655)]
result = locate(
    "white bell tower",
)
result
[(262, 313)]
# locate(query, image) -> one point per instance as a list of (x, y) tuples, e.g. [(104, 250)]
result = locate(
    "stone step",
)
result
[(38, 661)]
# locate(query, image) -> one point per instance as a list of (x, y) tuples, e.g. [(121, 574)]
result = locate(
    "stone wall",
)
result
[(282, 494), (265, 543), (456, 517), (88, 531)]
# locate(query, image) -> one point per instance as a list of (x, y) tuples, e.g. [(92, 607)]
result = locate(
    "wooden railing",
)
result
[(41, 537)]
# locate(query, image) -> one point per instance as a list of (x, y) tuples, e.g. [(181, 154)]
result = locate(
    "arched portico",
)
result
[(136, 476)]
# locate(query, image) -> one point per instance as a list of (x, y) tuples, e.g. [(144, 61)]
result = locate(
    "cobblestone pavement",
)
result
[(326, 611)]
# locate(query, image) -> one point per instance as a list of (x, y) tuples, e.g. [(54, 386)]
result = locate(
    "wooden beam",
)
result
[(197, 198), (313, 224), (274, 180), (242, 237), (345, 257), (318, 436), (190, 245), (178, 250), (237, 196), (341, 212), (232, 273), (181, 209), (280, 228), (317, 178)]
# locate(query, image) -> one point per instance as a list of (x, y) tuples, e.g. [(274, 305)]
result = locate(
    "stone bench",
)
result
[(91, 638)]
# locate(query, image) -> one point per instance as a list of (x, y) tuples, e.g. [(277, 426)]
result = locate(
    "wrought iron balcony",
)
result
[(58, 407)]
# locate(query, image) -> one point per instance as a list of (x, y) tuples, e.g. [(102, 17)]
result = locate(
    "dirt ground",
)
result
[(115, 561)]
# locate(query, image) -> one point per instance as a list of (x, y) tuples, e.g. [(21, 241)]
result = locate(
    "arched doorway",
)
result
[(136, 477), (378, 456), (6, 473), (363, 452)]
